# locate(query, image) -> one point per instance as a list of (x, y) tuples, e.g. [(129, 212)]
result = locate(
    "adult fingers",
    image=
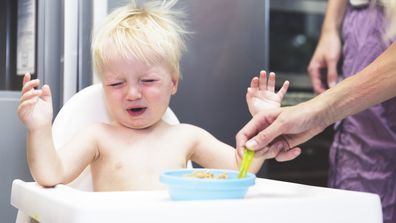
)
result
[(332, 72), (259, 122), (315, 74), (267, 134), (298, 139), (288, 155)]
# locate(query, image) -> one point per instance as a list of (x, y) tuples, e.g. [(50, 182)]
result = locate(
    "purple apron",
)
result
[(363, 154)]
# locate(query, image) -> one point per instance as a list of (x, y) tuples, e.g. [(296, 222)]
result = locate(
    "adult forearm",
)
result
[(373, 85), (44, 162), (334, 15)]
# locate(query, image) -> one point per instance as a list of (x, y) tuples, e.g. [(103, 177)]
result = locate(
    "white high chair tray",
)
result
[(268, 201)]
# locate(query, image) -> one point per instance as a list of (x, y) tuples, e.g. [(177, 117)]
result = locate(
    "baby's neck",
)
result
[(156, 126)]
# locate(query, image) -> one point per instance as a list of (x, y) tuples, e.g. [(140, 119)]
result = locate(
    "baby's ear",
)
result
[(175, 83)]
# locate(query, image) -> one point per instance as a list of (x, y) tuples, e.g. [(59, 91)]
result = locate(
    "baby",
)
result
[(136, 53)]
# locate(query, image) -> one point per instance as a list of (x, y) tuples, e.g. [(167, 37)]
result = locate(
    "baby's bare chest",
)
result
[(138, 164), (144, 153)]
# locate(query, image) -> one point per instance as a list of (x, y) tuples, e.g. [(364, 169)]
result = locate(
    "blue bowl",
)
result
[(181, 187)]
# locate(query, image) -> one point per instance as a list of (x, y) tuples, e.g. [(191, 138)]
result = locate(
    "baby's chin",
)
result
[(141, 125)]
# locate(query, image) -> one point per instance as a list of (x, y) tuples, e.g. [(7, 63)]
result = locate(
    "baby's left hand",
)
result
[(261, 93)]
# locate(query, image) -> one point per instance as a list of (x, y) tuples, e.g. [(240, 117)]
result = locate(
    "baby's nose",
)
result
[(134, 93)]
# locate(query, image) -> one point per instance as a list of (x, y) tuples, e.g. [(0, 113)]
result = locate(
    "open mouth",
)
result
[(136, 111)]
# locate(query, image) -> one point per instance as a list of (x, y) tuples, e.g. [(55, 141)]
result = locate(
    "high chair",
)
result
[(84, 108), (267, 201)]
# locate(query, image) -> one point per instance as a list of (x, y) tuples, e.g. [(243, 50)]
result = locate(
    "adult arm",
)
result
[(290, 126), (327, 53)]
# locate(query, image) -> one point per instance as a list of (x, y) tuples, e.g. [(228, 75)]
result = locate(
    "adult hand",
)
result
[(323, 64), (276, 133)]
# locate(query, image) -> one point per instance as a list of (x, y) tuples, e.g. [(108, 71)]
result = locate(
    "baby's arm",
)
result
[(261, 93), (35, 111), (209, 152)]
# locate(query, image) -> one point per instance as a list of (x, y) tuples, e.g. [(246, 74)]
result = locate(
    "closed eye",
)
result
[(115, 84), (148, 80)]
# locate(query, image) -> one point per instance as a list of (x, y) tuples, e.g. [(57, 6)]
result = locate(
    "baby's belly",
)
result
[(129, 183), (130, 180)]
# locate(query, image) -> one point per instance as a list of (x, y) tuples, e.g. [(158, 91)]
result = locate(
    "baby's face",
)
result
[(137, 95)]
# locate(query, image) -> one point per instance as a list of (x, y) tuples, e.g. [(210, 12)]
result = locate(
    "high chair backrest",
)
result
[(86, 107)]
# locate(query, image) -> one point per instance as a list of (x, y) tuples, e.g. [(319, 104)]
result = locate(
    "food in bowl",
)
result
[(181, 187), (205, 174)]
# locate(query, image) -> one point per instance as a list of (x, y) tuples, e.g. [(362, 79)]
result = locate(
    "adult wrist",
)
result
[(321, 111)]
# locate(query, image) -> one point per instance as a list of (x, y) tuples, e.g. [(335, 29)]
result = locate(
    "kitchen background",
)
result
[(231, 41)]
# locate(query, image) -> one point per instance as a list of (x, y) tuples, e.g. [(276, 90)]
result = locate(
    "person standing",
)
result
[(363, 153)]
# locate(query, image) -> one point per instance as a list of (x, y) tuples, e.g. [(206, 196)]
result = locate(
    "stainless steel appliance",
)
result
[(294, 29)]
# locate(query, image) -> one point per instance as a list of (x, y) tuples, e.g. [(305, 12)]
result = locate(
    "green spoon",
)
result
[(246, 161)]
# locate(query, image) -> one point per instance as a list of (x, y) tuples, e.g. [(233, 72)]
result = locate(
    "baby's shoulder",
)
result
[(96, 129), (185, 128)]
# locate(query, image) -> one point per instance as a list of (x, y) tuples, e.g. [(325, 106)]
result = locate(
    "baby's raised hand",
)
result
[(35, 105), (261, 94)]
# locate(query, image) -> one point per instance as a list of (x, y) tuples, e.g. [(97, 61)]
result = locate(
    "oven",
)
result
[(293, 29)]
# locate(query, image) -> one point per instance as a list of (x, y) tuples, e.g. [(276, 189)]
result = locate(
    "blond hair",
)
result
[(151, 32)]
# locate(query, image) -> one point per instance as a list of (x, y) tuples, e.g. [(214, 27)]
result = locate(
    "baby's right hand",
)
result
[(35, 105)]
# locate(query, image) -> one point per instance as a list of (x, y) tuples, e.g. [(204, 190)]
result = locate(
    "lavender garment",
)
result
[(363, 154)]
